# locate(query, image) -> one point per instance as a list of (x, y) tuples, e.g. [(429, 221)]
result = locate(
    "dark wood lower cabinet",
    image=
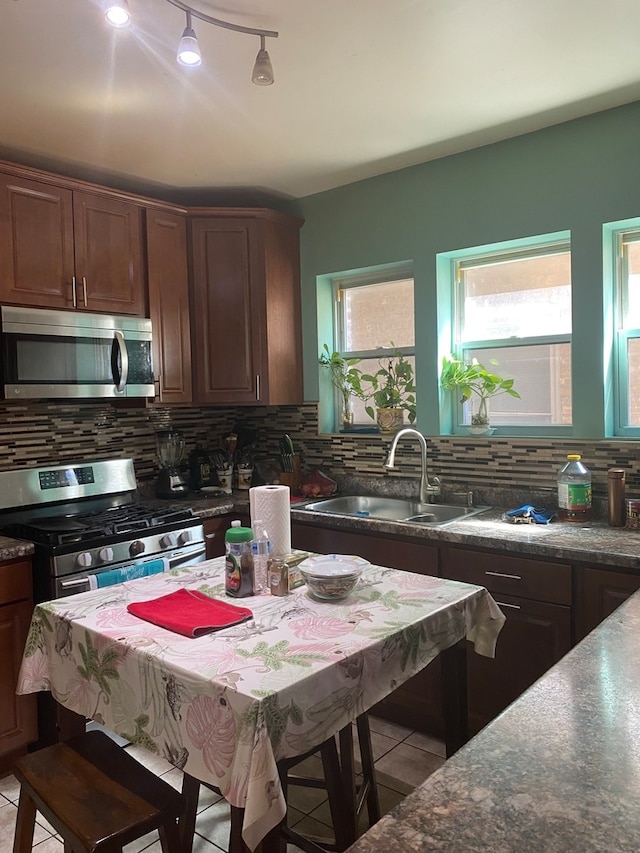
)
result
[(18, 724), (214, 530), (417, 704), (534, 637), (600, 592)]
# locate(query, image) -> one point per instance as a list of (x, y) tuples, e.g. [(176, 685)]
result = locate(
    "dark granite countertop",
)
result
[(556, 772), (10, 549), (594, 542)]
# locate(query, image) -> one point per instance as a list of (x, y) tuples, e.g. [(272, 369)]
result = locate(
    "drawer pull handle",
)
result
[(503, 575), (210, 535), (512, 606)]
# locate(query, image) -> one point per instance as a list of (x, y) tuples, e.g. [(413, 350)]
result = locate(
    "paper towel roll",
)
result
[(271, 505)]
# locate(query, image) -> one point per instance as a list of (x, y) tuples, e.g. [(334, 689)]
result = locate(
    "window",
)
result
[(372, 313), (512, 312), (628, 326)]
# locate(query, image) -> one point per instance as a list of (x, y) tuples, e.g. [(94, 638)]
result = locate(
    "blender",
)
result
[(170, 448)]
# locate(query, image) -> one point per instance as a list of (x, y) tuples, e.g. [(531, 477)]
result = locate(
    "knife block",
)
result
[(292, 478)]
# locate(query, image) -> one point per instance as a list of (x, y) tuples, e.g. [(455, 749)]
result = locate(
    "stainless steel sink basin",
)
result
[(393, 509)]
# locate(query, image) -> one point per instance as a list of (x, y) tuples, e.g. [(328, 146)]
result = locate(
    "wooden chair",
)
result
[(96, 796), (346, 797)]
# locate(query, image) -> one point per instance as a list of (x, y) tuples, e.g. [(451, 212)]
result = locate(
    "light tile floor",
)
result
[(403, 760)]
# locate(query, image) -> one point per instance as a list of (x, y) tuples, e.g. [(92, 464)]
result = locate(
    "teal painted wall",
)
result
[(574, 176)]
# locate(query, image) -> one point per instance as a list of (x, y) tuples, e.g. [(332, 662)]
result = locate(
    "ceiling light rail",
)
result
[(118, 14)]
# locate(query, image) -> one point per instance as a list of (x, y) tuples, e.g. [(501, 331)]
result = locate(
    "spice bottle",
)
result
[(238, 567), (616, 497), (278, 576)]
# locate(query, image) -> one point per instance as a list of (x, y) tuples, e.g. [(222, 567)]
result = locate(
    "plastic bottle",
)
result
[(238, 574), (616, 497), (260, 550), (574, 490)]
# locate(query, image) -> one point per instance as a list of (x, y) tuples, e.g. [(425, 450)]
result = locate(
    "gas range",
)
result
[(84, 521)]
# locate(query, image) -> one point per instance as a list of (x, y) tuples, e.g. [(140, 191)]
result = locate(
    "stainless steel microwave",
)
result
[(60, 354)]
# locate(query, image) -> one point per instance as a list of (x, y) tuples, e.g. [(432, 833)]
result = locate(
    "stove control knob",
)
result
[(84, 560), (184, 537), (105, 555), (136, 548), (168, 540)]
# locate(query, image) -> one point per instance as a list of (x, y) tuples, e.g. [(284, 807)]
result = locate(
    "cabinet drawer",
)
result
[(507, 575), (15, 581)]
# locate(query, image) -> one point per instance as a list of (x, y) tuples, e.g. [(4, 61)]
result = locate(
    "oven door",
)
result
[(59, 354), (83, 581)]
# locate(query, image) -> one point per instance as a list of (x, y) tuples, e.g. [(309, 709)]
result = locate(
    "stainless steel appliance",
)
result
[(84, 520), (170, 447), (58, 354)]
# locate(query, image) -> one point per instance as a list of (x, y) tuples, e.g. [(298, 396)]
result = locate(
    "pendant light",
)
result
[(117, 13), (188, 50), (262, 70)]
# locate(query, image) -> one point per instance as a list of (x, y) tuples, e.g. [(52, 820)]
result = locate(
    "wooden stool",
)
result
[(96, 796), (346, 798)]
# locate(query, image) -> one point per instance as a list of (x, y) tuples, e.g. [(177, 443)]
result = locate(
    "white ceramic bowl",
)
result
[(331, 577)]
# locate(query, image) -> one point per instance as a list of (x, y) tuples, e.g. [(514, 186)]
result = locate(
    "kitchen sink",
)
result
[(394, 509)]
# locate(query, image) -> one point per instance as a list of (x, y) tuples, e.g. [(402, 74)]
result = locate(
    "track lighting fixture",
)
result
[(117, 14)]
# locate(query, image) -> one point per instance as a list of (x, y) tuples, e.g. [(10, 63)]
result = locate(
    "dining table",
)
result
[(226, 706)]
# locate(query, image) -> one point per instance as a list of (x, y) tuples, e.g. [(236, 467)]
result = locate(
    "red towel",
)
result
[(189, 612)]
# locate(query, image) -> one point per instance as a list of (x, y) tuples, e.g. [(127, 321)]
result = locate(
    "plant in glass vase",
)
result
[(392, 389), (346, 378), (472, 378)]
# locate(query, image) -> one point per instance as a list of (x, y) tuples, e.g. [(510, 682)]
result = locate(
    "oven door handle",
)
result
[(185, 559), (119, 348), (71, 584)]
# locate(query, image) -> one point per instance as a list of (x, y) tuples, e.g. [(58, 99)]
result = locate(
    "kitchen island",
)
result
[(559, 770)]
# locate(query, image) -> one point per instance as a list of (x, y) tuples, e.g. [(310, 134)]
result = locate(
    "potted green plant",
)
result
[(346, 378), (472, 378), (393, 391)]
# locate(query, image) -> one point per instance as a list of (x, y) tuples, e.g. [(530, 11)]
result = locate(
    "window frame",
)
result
[(449, 266), (344, 281), (621, 334)]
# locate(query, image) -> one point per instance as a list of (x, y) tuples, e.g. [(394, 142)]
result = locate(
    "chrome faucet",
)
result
[(428, 491)]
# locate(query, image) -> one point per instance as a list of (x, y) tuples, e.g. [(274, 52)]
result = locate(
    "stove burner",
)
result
[(84, 527)]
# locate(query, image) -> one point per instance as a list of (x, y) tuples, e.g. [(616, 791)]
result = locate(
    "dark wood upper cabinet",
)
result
[(169, 304), (63, 247), (246, 324), (109, 254)]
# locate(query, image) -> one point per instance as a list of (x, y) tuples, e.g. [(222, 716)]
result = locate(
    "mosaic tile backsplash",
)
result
[(498, 470)]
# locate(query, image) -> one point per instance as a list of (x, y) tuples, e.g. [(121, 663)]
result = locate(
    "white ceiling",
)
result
[(362, 86)]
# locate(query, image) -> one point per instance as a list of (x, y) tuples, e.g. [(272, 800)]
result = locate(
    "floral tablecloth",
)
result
[(225, 707)]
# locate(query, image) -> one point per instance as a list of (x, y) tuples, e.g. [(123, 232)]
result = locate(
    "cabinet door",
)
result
[(534, 637), (600, 592), (227, 311), (108, 254), (169, 304), (380, 550), (36, 243), (18, 725), (214, 530)]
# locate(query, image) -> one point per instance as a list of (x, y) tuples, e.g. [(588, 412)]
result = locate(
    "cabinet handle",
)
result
[(158, 385), (257, 386), (210, 535), (74, 294), (512, 606), (84, 290), (502, 575)]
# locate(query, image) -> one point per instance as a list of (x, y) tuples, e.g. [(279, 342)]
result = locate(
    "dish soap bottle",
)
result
[(574, 490), (238, 567)]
